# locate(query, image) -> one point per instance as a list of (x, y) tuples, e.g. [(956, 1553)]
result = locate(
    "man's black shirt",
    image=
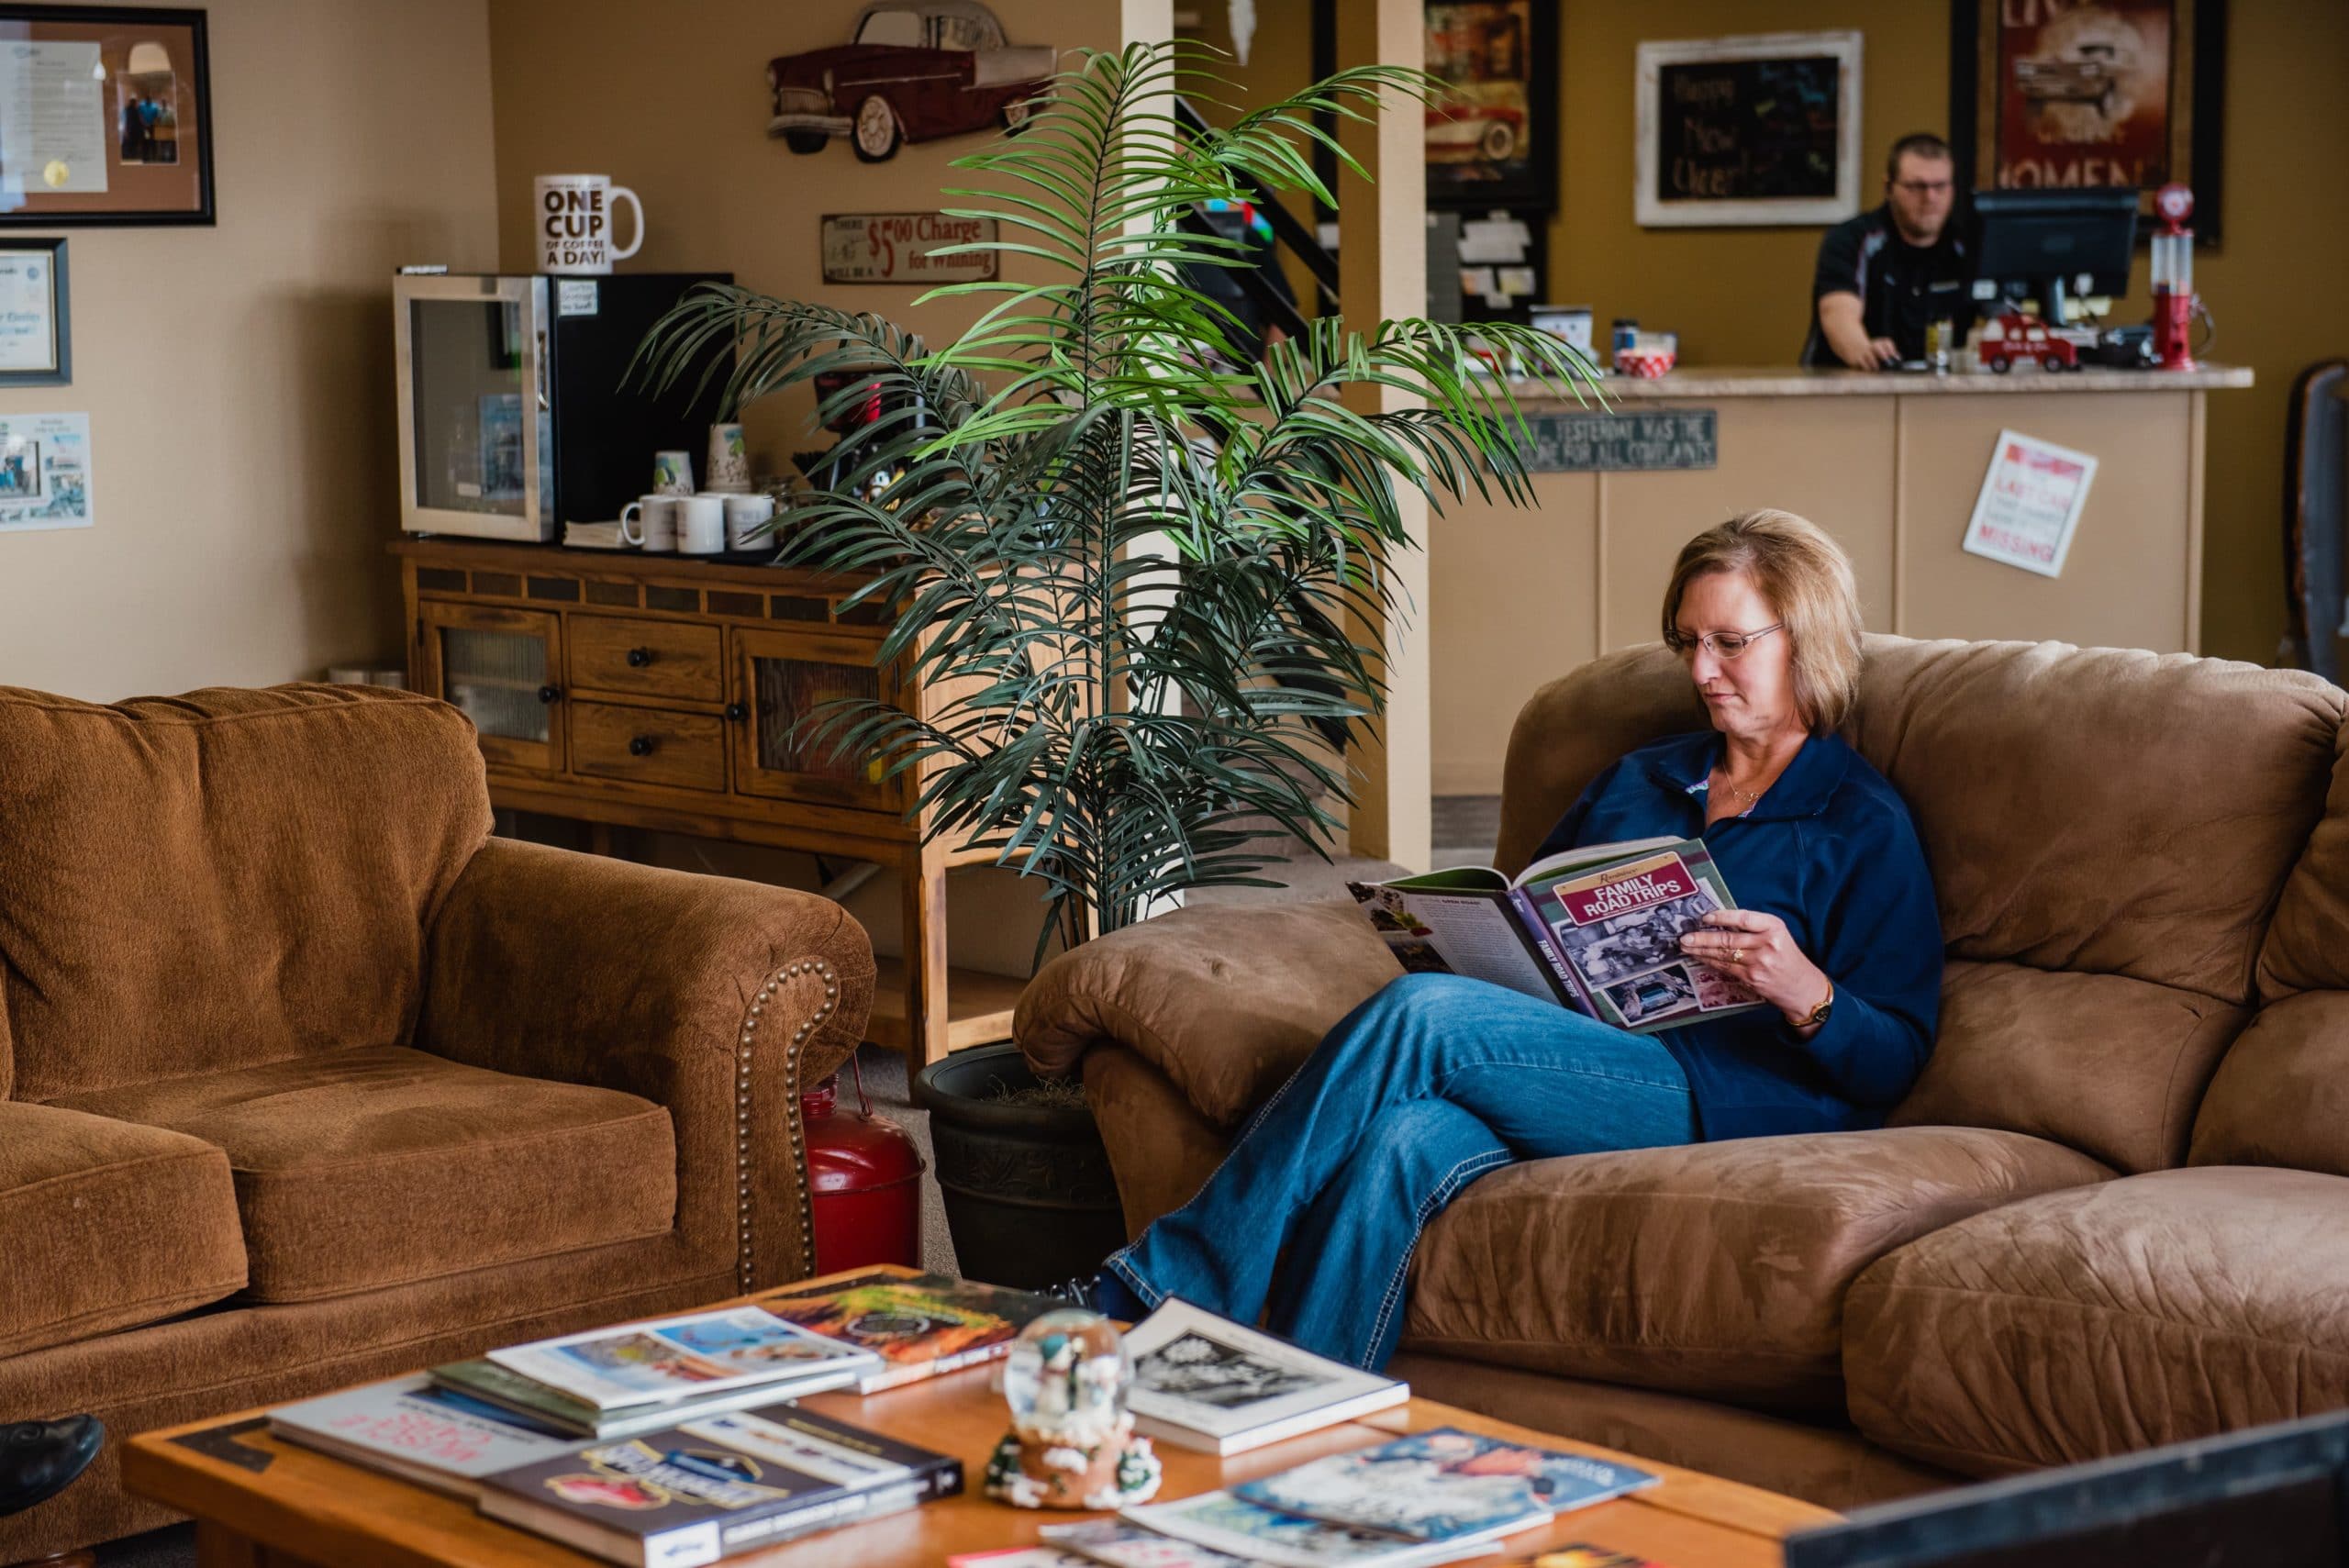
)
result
[(1901, 286)]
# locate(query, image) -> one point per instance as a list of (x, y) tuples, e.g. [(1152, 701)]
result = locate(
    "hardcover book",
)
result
[(706, 1489), (1596, 928), (408, 1427), (1444, 1484), (676, 1359), (919, 1327), (1206, 1382)]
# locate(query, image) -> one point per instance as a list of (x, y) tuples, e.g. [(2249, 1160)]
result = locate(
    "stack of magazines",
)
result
[(613, 1383), (671, 1442), (1434, 1497)]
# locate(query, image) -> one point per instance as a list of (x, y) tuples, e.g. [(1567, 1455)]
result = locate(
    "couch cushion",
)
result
[(2281, 1098), (229, 877), (1715, 1269), (105, 1225), (382, 1166), (2111, 1065), (2307, 947), (2106, 1319)]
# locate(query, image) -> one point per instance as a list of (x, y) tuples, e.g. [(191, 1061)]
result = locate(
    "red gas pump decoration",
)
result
[(2172, 274)]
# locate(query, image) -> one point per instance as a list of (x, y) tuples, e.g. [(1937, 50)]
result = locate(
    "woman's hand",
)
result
[(1757, 949)]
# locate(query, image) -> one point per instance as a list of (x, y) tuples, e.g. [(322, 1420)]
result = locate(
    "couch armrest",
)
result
[(1225, 1000), (715, 997)]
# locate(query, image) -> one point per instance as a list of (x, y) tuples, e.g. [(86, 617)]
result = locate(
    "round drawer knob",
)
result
[(638, 658), (549, 693), (737, 712), (640, 746)]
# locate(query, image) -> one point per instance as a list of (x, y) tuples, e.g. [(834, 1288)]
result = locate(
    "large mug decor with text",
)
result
[(575, 226)]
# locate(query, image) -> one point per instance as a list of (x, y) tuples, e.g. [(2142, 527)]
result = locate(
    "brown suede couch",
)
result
[(306, 1079), (2113, 1213)]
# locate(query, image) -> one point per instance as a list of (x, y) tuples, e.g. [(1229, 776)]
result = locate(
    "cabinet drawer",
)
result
[(657, 659), (647, 745)]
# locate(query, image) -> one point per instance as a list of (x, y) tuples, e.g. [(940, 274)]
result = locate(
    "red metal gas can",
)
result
[(866, 1177)]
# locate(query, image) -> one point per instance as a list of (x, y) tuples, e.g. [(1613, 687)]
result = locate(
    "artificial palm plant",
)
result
[(1148, 565)]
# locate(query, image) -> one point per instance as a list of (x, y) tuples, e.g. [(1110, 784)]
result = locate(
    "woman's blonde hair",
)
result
[(1808, 580)]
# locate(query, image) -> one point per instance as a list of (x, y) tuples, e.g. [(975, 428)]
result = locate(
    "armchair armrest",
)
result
[(713, 998), (1225, 1000)]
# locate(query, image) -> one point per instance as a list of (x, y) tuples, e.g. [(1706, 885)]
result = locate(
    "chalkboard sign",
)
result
[(1749, 130), (1621, 443)]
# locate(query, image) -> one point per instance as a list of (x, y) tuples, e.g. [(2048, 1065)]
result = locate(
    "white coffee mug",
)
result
[(576, 227), (743, 514), (655, 518), (701, 525)]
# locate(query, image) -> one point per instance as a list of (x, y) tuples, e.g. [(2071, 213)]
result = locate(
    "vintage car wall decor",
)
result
[(918, 69)]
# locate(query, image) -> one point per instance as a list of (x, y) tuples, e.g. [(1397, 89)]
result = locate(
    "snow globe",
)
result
[(1072, 1442)]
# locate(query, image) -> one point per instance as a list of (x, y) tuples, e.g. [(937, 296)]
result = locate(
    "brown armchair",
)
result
[(309, 1080)]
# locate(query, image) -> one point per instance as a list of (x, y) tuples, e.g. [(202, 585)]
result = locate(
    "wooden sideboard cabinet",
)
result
[(659, 693)]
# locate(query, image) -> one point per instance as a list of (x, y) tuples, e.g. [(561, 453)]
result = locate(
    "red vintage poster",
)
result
[(2085, 92)]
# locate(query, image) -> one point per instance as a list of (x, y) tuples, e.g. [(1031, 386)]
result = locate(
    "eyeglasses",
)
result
[(1724, 645), (1924, 187)]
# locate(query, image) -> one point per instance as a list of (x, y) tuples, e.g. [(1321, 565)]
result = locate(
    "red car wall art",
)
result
[(918, 69)]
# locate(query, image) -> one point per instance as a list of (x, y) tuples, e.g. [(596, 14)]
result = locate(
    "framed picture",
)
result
[(105, 117), (1748, 132), (2123, 93), (1493, 142), (35, 321)]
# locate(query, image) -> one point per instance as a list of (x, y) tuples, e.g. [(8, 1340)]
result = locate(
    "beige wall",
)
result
[(677, 110), (238, 378), (1737, 297)]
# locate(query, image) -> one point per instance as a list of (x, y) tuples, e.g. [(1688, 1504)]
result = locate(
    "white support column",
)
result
[(1145, 21), (1382, 273)]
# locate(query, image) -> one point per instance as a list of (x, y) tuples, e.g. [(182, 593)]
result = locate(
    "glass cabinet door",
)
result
[(499, 667), (782, 677), (474, 457)]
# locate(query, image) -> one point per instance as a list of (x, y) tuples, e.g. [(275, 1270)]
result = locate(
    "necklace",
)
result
[(1749, 796)]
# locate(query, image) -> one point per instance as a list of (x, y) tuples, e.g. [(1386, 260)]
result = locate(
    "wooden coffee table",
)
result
[(259, 1503)]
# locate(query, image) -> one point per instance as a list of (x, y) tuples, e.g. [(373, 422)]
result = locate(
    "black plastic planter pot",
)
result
[(1028, 1194)]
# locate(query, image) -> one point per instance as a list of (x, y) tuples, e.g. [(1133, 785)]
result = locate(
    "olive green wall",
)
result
[(1737, 297)]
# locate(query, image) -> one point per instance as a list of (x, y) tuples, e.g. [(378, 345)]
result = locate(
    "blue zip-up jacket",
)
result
[(1830, 850)]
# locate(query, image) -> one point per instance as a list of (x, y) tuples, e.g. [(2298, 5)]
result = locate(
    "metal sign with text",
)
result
[(900, 248), (1621, 442)]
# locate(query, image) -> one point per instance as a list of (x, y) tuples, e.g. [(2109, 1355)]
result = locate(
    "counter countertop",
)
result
[(1789, 381)]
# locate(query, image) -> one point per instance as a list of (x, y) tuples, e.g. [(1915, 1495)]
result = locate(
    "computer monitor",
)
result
[(2271, 1497), (2056, 244)]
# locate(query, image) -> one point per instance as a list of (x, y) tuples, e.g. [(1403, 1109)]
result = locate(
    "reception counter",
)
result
[(1889, 463)]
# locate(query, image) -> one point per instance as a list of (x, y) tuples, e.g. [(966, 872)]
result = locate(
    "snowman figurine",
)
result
[(1072, 1442)]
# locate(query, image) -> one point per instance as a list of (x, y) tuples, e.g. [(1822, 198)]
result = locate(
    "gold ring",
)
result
[(1737, 955)]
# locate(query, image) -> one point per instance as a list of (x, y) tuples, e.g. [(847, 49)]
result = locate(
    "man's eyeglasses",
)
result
[(1924, 187), (1719, 644)]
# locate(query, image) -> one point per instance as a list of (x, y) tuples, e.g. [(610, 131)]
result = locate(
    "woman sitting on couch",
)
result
[(1438, 1079)]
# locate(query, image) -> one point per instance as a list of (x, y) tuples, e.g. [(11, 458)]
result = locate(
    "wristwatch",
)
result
[(1819, 1015)]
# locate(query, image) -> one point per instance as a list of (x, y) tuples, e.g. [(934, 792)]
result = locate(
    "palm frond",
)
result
[(1142, 566)]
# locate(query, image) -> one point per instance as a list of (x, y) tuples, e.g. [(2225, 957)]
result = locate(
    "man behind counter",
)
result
[(1884, 274)]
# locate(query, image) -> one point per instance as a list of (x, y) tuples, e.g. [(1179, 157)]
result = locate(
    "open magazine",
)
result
[(1596, 929)]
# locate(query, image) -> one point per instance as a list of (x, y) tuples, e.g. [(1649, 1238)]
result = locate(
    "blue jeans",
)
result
[(1416, 1093)]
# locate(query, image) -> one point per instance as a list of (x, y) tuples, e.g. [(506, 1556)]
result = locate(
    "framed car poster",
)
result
[(1492, 141), (105, 117), (2123, 93)]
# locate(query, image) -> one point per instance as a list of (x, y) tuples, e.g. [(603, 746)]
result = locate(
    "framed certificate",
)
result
[(105, 117), (36, 325)]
